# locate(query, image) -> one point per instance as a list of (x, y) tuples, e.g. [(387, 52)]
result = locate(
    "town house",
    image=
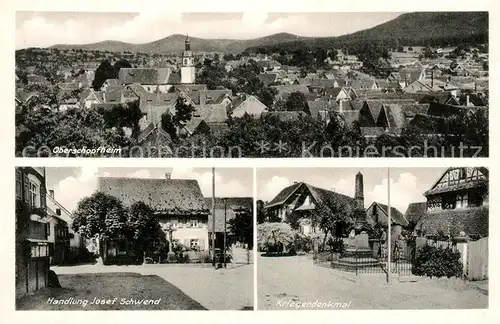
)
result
[(457, 202), (32, 243), (177, 203)]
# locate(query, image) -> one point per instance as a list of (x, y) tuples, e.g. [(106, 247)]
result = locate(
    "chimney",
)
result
[(51, 193), (168, 175)]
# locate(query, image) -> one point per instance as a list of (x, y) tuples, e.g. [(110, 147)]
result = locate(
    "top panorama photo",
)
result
[(252, 85)]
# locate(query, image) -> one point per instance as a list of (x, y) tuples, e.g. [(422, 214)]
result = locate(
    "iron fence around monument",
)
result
[(373, 260)]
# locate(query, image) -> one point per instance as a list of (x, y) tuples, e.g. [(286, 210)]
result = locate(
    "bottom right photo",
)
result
[(372, 238)]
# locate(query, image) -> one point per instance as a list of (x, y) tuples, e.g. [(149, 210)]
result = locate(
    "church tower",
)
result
[(187, 68)]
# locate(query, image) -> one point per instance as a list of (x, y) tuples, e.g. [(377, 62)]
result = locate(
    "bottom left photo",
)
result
[(134, 238)]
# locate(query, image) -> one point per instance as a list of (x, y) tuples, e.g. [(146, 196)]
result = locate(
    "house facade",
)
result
[(177, 203), (63, 240), (379, 213), (249, 105), (300, 203), (457, 202), (32, 239)]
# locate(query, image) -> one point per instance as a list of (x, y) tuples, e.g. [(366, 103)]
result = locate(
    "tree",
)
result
[(103, 72), (241, 228), (143, 229), (168, 125), (274, 237), (296, 102), (261, 214), (332, 217), (183, 111), (100, 215), (121, 64)]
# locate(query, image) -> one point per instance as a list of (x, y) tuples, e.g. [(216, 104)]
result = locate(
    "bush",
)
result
[(303, 243), (171, 257), (336, 245), (437, 262)]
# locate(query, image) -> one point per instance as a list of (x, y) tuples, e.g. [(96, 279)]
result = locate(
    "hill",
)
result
[(418, 28), (175, 43)]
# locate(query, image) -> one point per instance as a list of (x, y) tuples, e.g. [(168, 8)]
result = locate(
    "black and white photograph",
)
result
[(134, 238), (325, 242), (251, 85)]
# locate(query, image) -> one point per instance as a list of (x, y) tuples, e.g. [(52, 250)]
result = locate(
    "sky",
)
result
[(70, 185), (43, 29), (407, 185)]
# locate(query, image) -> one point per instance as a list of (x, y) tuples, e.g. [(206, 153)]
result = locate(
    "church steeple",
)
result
[(187, 68), (187, 44)]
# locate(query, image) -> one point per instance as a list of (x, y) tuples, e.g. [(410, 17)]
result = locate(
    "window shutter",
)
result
[(187, 243), (202, 244), (27, 196)]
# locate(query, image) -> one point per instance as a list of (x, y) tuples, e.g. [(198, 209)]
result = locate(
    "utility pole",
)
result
[(389, 246), (213, 218), (225, 218)]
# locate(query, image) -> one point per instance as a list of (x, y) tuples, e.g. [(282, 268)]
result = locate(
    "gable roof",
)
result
[(144, 75), (268, 78), (212, 113), (316, 106), (415, 211), (396, 216), (165, 196), (461, 185), (288, 89)]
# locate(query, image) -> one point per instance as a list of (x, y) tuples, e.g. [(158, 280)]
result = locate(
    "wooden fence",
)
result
[(477, 260)]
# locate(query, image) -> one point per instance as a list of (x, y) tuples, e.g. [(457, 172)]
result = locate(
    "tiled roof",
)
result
[(415, 211), (316, 106), (188, 88), (473, 221), (350, 116), (287, 89), (268, 78), (165, 196), (212, 113), (375, 106), (144, 75), (323, 83), (396, 216), (193, 124), (372, 131), (321, 196), (283, 195)]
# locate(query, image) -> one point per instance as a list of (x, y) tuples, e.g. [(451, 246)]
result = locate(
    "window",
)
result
[(47, 229), (34, 194), (449, 202), (462, 200), (194, 223), (19, 186)]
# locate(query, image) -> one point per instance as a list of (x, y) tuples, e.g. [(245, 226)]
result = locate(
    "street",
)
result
[(222, 289), (287, 282)]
